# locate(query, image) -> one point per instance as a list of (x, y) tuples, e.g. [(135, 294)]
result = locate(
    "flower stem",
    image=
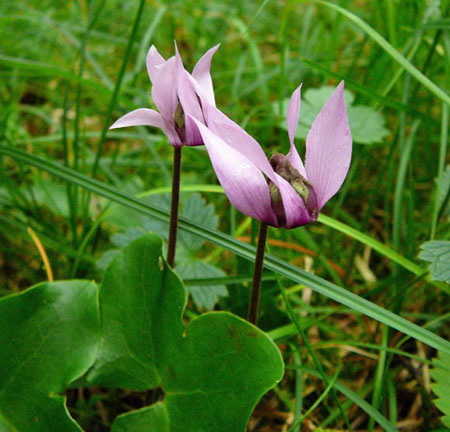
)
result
[(257, 275), (174, 206)]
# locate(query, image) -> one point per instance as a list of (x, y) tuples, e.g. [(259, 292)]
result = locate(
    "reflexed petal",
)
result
[(172, 135), (293, 113), (296, 161), (190, 103), (154, 61), (240, 140), (292, 122), (329, 148), (186, 93), (140, 117), (244, 184), (202, 75), (164, 90), (148, 117), (193, 136), (294, 206)]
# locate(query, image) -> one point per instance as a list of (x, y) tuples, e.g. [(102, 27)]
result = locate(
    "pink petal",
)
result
[(293, 113), (244, 184), (193, 136), (189, 102), (202, 75), (241, 141), (140, 117), (172, 135), (154, 63), (148, 117), (292, 122), (296, 161), (294, 206), (329, 148), (186, 93), (164, 90)]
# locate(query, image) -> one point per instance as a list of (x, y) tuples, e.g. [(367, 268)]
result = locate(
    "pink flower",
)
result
[(179, 97), (282, 191)]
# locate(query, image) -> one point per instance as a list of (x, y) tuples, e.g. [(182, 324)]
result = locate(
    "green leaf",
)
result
[(48, 337), (125, 238), (193, 207), (139, 420), (196, 209), (366, 124), (212, 372), (52, 195), (437, 253), (204, 295), (440, 373)]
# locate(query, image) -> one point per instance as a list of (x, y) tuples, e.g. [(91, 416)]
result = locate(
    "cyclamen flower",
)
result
[(178, 95), (282, 191)]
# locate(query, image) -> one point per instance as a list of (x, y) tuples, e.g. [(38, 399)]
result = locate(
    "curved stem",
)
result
[(175, 200), (257, 275)]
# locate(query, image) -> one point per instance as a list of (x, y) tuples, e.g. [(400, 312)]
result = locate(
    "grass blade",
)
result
[(358, 400), (399, 58), (374, 244)]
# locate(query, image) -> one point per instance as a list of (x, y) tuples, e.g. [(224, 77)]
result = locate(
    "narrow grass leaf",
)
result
[(358, 400)]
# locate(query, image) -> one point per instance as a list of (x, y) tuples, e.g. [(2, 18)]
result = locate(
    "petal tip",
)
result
[(293, 113), (215, 48), (340, 88), (115, 125), (298, 89)]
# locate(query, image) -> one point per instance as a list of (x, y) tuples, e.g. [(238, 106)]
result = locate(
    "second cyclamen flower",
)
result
[(179, 96), (282, 192)]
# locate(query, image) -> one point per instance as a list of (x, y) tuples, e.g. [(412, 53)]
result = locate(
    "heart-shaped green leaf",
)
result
[(155, 417), (48, 337), (212, 372)]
